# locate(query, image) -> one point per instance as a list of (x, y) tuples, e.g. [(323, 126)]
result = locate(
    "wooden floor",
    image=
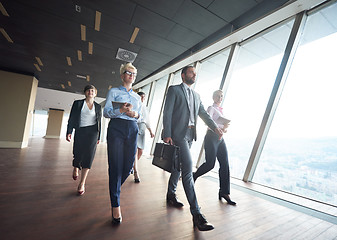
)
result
[(38, 201)]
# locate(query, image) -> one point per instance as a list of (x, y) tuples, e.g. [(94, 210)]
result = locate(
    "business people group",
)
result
[(123, 106)]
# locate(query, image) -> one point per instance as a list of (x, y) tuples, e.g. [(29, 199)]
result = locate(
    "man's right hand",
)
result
[(168, 140), (68, 137)]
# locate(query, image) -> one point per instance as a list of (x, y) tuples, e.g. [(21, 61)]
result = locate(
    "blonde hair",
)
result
[(216, 92), (126, 66)]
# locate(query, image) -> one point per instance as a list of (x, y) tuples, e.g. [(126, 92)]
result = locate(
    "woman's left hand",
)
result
[(224, 129), (126, 107)]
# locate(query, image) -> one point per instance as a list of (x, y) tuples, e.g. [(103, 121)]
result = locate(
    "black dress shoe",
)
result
[(201, 223), (174, 201), (227, 198), (116, 221)]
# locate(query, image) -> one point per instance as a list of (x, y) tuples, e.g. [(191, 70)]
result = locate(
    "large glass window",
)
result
[(64, 125), (39, 123), (146, 90), (148, 140), (155, 109), (177, 78), (208, 80), (300, 153), (249, 90)]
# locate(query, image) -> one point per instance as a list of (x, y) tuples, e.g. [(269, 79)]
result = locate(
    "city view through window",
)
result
[(300, 154)]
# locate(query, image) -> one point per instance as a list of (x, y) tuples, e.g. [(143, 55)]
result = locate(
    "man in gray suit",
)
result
[(182, 108)]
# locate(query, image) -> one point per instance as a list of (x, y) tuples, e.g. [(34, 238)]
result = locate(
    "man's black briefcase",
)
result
[(166, 157)]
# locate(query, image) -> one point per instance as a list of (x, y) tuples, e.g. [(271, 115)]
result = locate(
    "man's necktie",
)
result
[(191, 103)]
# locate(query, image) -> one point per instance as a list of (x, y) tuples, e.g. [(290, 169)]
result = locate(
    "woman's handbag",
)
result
[(166, 157)]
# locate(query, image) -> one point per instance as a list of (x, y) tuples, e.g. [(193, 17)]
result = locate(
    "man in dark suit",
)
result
[(182, 108)]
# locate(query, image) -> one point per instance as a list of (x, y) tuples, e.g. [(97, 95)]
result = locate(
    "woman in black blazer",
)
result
[(85, 117)]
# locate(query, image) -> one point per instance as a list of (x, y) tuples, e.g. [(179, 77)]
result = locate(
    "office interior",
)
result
[(274, 61)]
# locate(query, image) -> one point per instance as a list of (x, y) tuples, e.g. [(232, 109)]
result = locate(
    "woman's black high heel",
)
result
[(227, 198), (116, 221), (137, 180)]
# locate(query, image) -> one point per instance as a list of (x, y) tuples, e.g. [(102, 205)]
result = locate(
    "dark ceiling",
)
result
[(169, 30)]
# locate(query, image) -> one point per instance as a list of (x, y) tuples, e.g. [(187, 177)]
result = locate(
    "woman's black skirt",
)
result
[(85, 143)]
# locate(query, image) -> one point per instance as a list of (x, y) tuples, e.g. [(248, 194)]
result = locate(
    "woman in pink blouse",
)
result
[(215, 148)]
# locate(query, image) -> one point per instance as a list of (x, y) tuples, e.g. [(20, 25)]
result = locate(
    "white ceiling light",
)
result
[(81, 76)]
